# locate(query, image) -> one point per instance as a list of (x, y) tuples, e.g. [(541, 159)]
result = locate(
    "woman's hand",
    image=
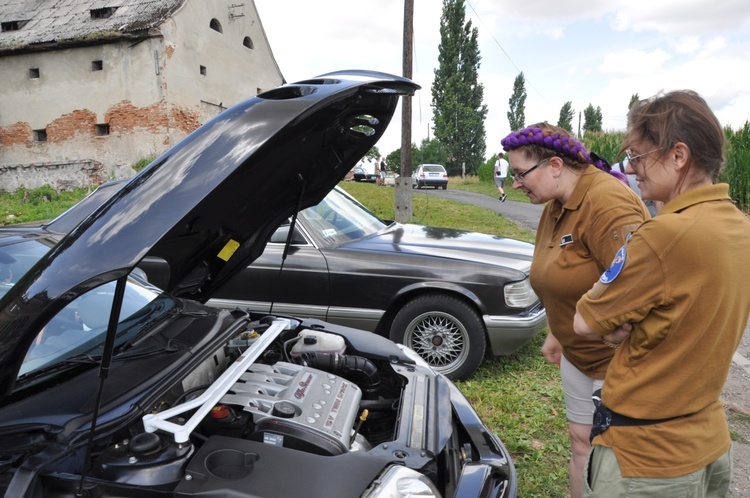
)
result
[(619, 334), (551, 349)]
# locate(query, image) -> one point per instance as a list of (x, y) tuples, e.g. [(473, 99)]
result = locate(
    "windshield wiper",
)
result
[(61, 366)]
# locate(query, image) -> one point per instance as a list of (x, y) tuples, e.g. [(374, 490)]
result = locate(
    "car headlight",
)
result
[(520, 294), (401, 482)]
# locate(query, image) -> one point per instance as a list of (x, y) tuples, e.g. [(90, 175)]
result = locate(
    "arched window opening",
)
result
[(247, 42), (216, 25)]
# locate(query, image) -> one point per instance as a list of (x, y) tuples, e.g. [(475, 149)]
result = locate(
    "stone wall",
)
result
[(60, 176)]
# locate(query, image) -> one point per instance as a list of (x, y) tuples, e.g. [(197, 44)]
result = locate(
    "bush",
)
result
[(142, 163), (605, 144), (486, 171)]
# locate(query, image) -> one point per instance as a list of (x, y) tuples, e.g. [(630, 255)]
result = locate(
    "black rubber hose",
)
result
[(357, 369)]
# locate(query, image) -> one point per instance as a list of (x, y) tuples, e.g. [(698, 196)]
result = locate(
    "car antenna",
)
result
[(289, 237), (109, 346)]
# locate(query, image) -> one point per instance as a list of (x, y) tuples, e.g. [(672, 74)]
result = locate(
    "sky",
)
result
[(583, 51)]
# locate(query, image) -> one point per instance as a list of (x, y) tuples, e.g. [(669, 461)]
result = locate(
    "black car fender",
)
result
[(410, 291)]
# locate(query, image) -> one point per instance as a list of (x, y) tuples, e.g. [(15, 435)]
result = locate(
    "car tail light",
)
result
[(519, 294)]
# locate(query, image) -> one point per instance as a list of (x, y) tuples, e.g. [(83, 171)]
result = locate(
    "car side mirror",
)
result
[(281, 234)]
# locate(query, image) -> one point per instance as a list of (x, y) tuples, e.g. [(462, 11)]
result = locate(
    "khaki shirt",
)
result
[(682, 282), (575, 243)]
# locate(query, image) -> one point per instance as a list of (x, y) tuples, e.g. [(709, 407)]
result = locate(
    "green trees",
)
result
[(633, 99), (592, 118), (517, 104), (457, 96), (566, 116)]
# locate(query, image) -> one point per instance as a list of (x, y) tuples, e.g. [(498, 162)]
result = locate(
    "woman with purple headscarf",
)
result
[(589, 213)]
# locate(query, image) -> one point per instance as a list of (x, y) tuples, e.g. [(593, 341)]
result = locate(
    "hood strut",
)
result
[(109, 346), (289, 237)]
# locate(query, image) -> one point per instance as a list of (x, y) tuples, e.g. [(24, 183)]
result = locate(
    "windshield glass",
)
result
[(80, 327), (16, 259), (339, 218)]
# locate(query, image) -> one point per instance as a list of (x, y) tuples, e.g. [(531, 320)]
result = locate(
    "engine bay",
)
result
[(281, 394)]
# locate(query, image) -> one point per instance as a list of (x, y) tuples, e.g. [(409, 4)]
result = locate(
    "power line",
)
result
[(502, 49)]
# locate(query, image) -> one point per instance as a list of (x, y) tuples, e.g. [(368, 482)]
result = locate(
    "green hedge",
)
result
[(736, 170)]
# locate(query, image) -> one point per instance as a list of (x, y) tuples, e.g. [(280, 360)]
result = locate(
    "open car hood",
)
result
[(209, 204)]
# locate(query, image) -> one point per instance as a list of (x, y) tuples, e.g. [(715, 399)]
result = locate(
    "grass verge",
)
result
[(44, 203), (431, 210)]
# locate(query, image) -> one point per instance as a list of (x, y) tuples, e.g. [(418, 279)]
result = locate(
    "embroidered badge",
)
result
[(615, 268), (566, 239)]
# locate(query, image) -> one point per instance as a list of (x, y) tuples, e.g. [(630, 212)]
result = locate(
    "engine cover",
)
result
[(298, 407)]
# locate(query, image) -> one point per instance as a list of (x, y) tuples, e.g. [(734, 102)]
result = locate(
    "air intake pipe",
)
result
[(356, 369)]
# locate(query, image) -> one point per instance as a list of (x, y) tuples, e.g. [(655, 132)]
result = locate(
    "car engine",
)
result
[(244, 408)]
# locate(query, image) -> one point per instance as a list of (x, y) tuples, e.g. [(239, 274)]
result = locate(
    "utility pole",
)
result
[(403, 207)]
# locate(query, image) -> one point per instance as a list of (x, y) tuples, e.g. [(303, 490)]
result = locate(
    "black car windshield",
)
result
[(80, 327), (339, 218)]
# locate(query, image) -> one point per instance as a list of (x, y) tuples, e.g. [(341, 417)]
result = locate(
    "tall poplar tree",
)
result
[(566, 116), (457, 95), (517, 104), (592, 118)]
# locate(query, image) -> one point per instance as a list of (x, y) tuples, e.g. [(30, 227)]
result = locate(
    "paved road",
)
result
[(525, 214)]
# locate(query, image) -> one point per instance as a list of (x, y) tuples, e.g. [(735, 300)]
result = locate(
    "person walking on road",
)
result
[(588, 215), (501, 173)]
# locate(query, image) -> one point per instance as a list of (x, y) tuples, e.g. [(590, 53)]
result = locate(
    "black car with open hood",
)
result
[(111, 387)]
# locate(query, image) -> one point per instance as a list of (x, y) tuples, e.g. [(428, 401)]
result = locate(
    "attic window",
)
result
[(216, 25), (247, 42), (97, 65), (103, 13), (12, 25), (40, 135), (34, 73)]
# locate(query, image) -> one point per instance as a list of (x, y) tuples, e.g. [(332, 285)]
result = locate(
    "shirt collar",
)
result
[(579, 192), (717, 192)]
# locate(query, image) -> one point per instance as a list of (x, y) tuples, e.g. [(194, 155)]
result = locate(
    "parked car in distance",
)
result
[(113, 387), (362, 174), (430, 175)]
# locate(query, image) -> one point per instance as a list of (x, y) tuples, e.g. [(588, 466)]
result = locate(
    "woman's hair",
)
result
[(543, 140), (679, 116)]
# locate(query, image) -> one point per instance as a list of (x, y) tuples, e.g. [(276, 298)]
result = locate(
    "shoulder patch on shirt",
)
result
[(615, 268)]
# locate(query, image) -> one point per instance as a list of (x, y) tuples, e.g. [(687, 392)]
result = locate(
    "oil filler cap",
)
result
[(284, 409)]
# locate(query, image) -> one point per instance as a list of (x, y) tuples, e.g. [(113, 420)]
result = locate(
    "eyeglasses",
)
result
[(632, 158), (520, 176)]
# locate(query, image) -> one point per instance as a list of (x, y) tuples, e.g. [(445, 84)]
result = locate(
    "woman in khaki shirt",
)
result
[(588, 216), (681, 281)]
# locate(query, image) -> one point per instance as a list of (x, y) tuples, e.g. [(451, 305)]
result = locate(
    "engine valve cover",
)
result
[(296, 406)]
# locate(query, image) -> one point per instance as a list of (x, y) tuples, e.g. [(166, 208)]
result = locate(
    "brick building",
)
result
[(91, 87)]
